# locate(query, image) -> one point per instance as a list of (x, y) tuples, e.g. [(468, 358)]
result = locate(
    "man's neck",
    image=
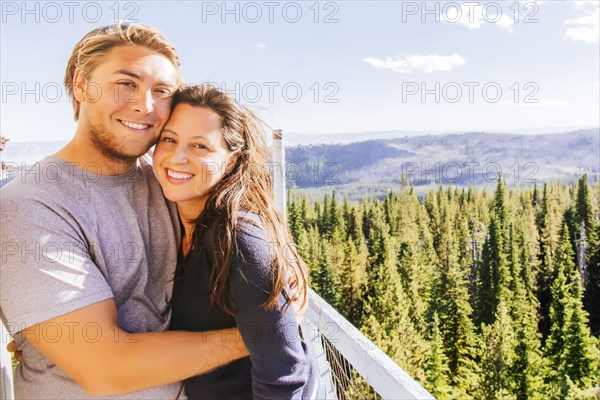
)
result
[(86, 155)]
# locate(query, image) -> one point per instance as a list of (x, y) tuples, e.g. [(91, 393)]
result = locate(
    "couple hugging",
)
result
[(152, 279)]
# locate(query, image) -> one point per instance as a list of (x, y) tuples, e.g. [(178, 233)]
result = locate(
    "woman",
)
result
[(238, 265)]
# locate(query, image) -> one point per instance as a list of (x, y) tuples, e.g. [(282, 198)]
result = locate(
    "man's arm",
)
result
[(105, 360)]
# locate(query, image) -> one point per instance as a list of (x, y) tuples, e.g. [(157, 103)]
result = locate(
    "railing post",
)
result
[(279, 190), (312, 336), (6, 372), (310, 329)]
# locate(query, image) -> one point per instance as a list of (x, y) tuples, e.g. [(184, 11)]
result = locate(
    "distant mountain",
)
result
[(295, 138), (375, 166), (29, 152), (460, 159)]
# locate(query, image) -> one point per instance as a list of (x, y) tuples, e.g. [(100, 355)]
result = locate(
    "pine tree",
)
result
[(494, 279), (535, 198), (336, 222), (295, 220), (569, 346), (584, 208), (588, 248), (346, 212), (355, 230), (558, 317), (325, 281), (548, 224), (386, 317), (415, 253), (450, 299), (368, 218), (497, 357), (499, 206), (353, 280), (437, 371), (433, 211), (325, 220), (580, 354), (382, 292), (527, 368), (304, 212), (528, 257), (312, 255)]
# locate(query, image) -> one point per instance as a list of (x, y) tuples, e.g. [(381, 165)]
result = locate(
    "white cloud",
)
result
[(473, 15), (427, 63), (506, 23), (587, 27), (583, 3), (261, 46)]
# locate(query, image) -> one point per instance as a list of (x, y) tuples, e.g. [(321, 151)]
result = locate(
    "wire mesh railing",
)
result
[(348, 383), (351, 366)]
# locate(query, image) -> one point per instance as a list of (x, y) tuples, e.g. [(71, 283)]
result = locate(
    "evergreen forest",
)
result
[(476, 293)]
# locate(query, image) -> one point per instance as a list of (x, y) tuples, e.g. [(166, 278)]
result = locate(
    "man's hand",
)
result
[(13, 347)]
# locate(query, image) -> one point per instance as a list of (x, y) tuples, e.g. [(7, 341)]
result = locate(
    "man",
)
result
[(89, 244)]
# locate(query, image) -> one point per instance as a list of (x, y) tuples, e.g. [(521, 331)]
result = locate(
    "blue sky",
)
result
[(325, 67)]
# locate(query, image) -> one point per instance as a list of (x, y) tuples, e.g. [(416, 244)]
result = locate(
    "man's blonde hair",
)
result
[(91, 49)]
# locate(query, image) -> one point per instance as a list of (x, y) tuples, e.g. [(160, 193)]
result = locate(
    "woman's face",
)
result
[(191, 155)]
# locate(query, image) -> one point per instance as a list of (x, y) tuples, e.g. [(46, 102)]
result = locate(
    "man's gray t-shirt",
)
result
[(71, 238)]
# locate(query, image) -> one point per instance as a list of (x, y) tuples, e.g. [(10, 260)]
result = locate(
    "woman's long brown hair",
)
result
[(246, 187)]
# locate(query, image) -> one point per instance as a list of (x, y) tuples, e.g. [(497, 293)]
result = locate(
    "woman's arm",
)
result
[(280, 368)]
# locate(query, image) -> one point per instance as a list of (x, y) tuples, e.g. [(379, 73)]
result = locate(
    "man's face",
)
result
[(126, 101)]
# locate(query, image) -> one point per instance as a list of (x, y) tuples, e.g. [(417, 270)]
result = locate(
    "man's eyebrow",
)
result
[(140, 78), (129, 73)]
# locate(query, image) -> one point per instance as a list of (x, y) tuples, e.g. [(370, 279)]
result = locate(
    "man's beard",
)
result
[(105, 143)]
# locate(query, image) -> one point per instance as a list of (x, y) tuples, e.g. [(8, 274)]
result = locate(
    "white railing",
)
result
[(349, 351)]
